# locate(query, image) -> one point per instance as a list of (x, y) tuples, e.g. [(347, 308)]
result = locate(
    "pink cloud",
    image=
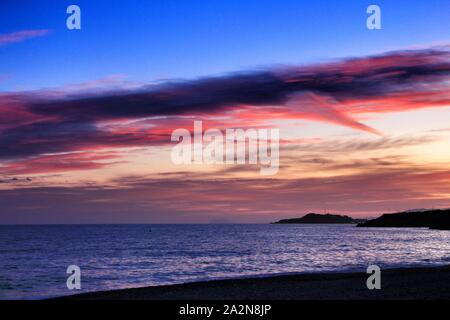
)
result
[(19, 36), (60, 163), (74, 119)]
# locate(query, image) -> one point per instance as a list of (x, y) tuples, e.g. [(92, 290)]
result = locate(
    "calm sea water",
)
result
[(34, 259)]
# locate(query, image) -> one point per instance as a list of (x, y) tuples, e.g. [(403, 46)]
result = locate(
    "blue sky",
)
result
[(359, 136), (147, 40)]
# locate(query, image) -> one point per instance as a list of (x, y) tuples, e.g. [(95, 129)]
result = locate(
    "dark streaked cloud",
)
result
[(36, 123), (348, 79)]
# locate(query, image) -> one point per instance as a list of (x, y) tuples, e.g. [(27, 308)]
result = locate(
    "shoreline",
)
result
[(416, 283)]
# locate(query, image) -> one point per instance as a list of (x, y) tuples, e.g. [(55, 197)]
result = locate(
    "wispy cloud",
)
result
[(179, 199), (19, 36), (59, 163)]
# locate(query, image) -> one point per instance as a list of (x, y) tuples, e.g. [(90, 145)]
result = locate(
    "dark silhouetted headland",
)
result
[(433, 219), (313, 218)]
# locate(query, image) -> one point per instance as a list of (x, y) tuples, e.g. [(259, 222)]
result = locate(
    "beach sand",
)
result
[(408, 283)]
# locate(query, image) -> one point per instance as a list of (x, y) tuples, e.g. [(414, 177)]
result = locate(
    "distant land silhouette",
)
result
[(433, 219), (313, 218)]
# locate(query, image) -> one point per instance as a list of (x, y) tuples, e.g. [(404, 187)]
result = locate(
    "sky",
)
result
[(86, 115)]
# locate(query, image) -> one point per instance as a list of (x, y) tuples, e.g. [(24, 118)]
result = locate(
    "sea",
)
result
[(34, 258)]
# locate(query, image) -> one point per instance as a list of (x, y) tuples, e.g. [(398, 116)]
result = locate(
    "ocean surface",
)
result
[(34, 259)]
